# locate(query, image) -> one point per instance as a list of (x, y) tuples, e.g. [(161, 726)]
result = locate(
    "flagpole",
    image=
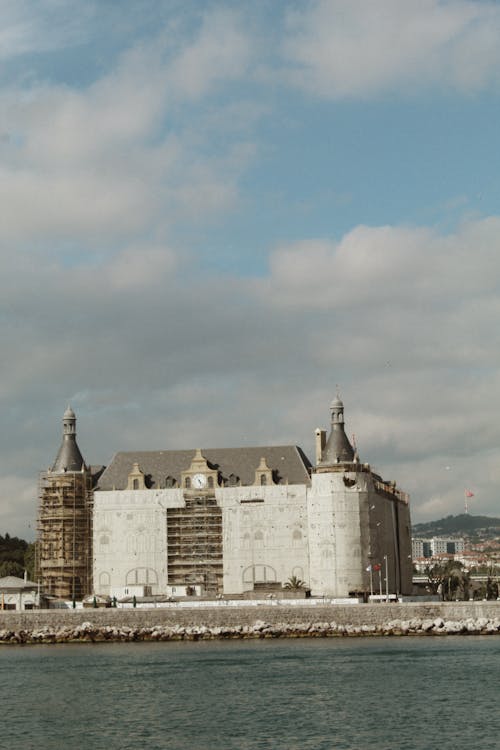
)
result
[(371, 580), (465, 502), (386, 580)]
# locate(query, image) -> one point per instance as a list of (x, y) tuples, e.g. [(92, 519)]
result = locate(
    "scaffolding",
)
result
[(63, 561), (194, 539)]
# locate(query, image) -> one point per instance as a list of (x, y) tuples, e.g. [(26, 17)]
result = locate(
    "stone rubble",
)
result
[(89, 632)]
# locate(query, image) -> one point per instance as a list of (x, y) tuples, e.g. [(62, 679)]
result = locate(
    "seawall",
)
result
[(277, 620)]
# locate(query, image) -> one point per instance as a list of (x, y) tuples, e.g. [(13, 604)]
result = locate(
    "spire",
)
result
[(338, 448), (69, 457)]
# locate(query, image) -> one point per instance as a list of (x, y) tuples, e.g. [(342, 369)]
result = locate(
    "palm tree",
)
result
[(294, 583)]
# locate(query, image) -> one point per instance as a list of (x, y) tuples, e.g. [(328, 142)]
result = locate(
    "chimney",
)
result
[(320, 444)]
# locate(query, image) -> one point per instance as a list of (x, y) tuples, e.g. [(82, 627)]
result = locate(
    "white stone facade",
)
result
[(326, 534), (234, 521)]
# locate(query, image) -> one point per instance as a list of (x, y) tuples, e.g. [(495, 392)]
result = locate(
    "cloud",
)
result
[(17, 509), (152, 356), (49, 25), (119, 156), (109, 187), (221, 52), (352, 48)]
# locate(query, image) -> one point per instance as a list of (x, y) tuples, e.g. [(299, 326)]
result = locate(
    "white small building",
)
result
[(18, 593)]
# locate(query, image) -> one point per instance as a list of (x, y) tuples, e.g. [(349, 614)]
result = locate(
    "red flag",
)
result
[(377, 567), (468, 493)]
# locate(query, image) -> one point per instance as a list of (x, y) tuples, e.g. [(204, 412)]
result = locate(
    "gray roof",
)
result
[(13, 582), (288, 463), (69, 457), (338, 448)]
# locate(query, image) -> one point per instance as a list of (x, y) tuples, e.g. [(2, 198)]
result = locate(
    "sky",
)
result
[(217, 215)]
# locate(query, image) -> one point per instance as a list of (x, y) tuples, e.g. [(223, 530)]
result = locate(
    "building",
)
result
[(64, 551), (239, 521), (18, 593), (437, 545)]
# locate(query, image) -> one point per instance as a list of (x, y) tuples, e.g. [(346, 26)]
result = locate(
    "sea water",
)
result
[(429, 693)]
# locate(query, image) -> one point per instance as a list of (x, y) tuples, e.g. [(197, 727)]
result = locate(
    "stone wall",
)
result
[(368, 615)]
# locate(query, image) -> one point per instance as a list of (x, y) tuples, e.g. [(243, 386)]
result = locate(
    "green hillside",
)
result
[(461, 525)]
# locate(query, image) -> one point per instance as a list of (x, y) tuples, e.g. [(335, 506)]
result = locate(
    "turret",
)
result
[(338, 448), (69, 457)]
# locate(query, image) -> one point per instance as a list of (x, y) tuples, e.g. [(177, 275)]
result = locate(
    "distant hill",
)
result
[(462, 525)]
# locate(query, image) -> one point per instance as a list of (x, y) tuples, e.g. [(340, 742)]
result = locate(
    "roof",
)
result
[(288, 463), (69, 457), (13, 582), (338, 448)]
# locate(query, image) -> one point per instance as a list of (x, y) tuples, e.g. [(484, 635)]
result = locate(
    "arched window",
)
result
[(259, 574), (263, 479), (210, 482), (135, 484), (170, 482), (141, 576), (296, 538)]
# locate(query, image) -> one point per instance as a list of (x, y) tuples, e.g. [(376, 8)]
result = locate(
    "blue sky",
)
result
[(215, 212)]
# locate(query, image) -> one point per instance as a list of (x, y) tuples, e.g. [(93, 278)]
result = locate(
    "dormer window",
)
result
[(136, 479), (170, 482), (263, 474), (187, 483)]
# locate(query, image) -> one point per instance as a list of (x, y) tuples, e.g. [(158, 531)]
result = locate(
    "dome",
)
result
[(69, 413), (336, 403)]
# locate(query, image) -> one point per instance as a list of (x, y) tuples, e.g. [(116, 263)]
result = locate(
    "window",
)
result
[(103, 543), (263, 479), (211, 482), (135, 484), (258, 539), (187, 483), (170, 482)]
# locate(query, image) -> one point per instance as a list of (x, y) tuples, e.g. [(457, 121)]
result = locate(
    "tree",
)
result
[(491, 588), (464, 584), (294, 583), (11, 568), (29, 560), (446, 578)]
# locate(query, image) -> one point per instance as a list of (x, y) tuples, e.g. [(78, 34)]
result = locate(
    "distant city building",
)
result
[(234, 521), (437, 546)]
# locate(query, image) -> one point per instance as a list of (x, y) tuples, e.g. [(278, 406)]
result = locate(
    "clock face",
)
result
[(199, 481)]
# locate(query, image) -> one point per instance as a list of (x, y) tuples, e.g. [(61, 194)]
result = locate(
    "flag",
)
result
[(377, 567), (468, 493), (368, 569)]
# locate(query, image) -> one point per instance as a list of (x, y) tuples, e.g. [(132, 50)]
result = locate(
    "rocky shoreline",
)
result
[(90, 632)]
